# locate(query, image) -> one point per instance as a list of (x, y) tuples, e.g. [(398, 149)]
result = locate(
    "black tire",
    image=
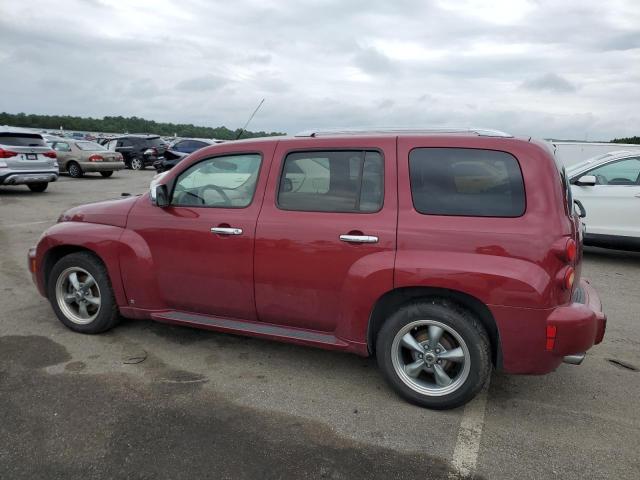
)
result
[(38, 187), (108, 315), (106, 174), (466, 325), (74, 170)]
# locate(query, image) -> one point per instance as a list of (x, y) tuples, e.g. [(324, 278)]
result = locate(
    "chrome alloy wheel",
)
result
[(431, 358), (78, 295), (136, 164)]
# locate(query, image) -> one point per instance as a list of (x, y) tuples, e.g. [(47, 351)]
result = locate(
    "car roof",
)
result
[(8, 129), (135, 135), (602, 158)]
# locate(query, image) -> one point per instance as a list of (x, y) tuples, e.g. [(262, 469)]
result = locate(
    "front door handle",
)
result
[(226, 230), (359, 238)]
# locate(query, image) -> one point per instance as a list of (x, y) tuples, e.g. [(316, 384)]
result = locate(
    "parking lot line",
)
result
[(465, 453)]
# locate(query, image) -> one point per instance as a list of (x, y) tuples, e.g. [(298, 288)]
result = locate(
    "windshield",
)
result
[(90, 146)]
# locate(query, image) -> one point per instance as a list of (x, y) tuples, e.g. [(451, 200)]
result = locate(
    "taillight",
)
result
[(50, 154), (96, 158), (7, 153), (571, 250), (568, 278), (552, 330), (566, 249)]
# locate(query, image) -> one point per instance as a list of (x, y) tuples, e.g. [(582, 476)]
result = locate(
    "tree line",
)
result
[(626, 140), (121, 124)]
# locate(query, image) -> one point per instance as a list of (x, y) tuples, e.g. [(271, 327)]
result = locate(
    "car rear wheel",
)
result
[(106, 174), (434, 354), (38, 187), (74, 170), (137, 164), (81, 295)]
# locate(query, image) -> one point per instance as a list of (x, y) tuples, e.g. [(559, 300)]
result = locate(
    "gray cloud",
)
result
[(550, 82), (331, 63), (201, 84)]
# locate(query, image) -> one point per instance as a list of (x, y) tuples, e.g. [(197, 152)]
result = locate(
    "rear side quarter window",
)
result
[(466, 182)]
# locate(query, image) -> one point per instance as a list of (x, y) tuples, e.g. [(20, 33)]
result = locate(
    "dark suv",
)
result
[(138, 151)]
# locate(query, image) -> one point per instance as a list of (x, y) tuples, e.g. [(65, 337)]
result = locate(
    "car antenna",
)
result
[(242, 130)]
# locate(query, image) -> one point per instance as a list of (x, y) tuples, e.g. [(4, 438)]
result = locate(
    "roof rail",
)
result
[(482, 132)]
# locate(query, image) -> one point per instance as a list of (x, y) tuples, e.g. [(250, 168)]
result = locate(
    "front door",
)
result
[(326, 236), (201, 245), (613, 204)]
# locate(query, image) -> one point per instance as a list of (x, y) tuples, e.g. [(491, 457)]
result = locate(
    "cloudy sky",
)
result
[(562, 69)]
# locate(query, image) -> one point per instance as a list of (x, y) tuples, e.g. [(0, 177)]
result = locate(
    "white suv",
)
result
[(609, 188), (25, 159)]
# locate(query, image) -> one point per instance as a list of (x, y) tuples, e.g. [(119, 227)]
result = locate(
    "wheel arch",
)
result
[(54, 254), (396, 298)]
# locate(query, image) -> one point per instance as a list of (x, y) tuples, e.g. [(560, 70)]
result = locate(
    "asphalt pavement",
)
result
[(151, 401)]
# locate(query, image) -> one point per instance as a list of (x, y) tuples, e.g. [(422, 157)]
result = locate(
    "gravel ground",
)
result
[(153, 401)]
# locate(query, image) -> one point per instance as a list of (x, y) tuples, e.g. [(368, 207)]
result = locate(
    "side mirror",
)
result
[(586, 181), (581, 211), (159, 195)]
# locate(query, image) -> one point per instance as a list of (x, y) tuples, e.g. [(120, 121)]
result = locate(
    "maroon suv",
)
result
[(443, 253)]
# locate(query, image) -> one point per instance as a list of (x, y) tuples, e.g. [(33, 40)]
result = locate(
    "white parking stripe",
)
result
[(465, 454)]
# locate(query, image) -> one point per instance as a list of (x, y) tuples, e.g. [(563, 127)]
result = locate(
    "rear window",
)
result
[(90, 146), (468, 182), (22, 139)]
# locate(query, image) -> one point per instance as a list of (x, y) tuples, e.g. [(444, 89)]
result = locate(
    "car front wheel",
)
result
[(434, 354), (81, 295)]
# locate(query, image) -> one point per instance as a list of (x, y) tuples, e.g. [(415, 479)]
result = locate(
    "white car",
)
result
[(608, 186)]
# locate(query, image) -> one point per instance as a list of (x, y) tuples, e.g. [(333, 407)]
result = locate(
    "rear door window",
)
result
[(466, 182), (332, 181)]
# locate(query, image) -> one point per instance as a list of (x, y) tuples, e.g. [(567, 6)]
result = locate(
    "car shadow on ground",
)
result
[(617, 256)]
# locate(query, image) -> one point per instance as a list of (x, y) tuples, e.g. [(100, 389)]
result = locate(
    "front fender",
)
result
[(493, 279), (102, 240)]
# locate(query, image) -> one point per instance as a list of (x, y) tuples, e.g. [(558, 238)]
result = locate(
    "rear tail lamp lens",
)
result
[(569, 277), (50, 154), (95, 158), (571, 250), (552, 330), (7, 153)]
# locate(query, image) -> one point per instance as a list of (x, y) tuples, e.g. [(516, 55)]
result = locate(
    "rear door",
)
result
[(326, 235), (613, 204), (63, 152)]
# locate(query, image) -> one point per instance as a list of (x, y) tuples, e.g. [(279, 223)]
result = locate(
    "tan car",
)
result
[(77, 157)]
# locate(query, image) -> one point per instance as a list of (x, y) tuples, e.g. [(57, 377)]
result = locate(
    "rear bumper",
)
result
[(536, 341), (101, 166), (580, 325), (16, 177)]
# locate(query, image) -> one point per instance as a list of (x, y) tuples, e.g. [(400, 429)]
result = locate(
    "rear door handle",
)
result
[(359, 238), (226, 230)]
